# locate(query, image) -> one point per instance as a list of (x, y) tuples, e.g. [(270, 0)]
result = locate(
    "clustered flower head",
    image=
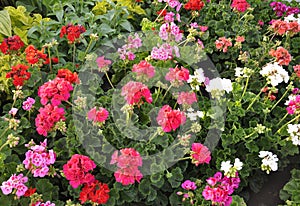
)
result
[(293, 104), (135, 93), (38, 159), (269, 161), (127, 163), (197, 79), (282, 9), (126, 52), (165, 52), (200, 154), (275, 73), (77, 170), (48, 203), (170, 30), (13, 43), (285, 27), (189, 186), (103, 64), (240, 5), (297, 70), (195, 5), (95, 192), (34, 55), (218, 86), (69, 76), (177, 76), (294, 132), (229, 169), (223, 43), (73, 32), (170, 119), (12, 140), (15, 184), (143, 70), (173, 4), (186, 98), (98, 115), (19, 74), (28, 103), (282, 56), (219, 189)]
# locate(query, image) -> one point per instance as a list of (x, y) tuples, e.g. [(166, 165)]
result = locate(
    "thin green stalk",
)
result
[(256, 97), (109, 80), (88, 47), (6, 143), (158, 93), (153, 136), (161, 13), (4, 132), (74, 53), (167, 92), (297, 117), (246, 86), (285, 93), (283, 118), (50, 61), (184, 158)]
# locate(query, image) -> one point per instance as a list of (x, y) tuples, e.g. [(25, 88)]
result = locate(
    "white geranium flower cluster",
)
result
[(294, 131), (197, 79), (229, 169), (193, 115), (292, 17), (275, 73), (269, 161), (218, 86)]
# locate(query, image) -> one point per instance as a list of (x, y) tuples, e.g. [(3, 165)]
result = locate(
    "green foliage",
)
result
[(290, 192)]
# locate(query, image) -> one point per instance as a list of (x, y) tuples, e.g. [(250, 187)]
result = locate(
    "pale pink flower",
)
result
[(136, 93), (200, 154)]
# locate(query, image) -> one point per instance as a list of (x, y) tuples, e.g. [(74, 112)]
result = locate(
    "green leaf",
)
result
[(176, 178), (126, 25), (144, 187), (5, 23)]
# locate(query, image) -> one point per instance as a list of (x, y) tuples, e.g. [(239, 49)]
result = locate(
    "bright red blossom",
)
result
[(73, 32), (240, 5), (195, 5), (282, 55), (13, 43), (33, 55), (200, 154), (170, 119), (95, 192), (77, 170), (68, 75), (29, 192), (19, 74)]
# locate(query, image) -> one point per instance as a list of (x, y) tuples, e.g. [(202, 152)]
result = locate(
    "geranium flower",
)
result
[(282, 55), (73, 32), (19, 74), (136, 93), (95, 192), (13, 43), (200, 154), (240, 5), (170, 119)]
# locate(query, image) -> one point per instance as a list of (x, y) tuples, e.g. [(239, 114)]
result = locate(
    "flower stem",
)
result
[(6, 143), (88, 47), (283, 118), (285, 93), (246, 86), (50, 62), (4, 132), (158, 93), (109, 80), (256, 97), (167, 92), (153, 136), (161, 13), (287, 123), (184, 158), (74, 52)]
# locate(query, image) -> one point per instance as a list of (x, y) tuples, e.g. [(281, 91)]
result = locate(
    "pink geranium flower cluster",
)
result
[(219, 189), (48, 203), (223, 43), (200, 154), (98, 115), (177, 76), (282, 27), (282, 55), (77, 170), (240, 5), (169, 17), (28, 103), (127, 163), (164, 52), (170, 30), (282, 9), (17, 183), (126, 52), (47, 118), (186, 98), (136, 92), (173, 4), (170, 119), (190, 187), (143, 70), (38, 159), (293, 104)]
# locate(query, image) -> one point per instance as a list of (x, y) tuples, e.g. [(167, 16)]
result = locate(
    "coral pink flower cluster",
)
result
[(98, 115), (170, 119), (170, 30), (126, 52), (200, 154), (144, 70), (38, 159), (127, 163), (219, 189), (223, 43), (165, 52), (282, 55), (186, 98), (177, 76), (135, 93), (77, 170), (240, 5), (17, 183), (297, 70), (282, 27)]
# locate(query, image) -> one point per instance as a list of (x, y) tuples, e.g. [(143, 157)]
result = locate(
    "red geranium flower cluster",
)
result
[(128, 163), (281, 27), (33, 55), (73, 32), (282, 55), (135, 92), (240, 5), (195, 5), (77, 170), (95, 192), (223, 43), (13, 43), (68, 75), (47, 118), (200, 154), (170, 119), (19, 74)]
